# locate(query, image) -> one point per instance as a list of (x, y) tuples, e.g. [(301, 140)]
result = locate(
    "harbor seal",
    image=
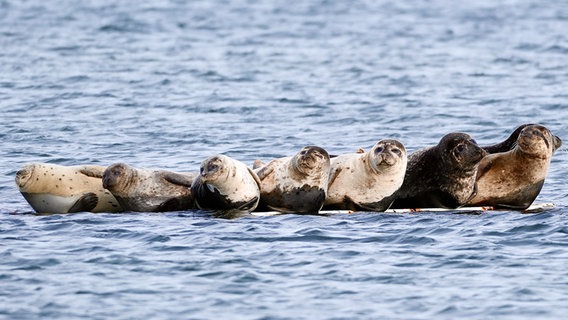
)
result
[(52, 188), (148, 190), (295, 184), (365, 181), (225, 184), (513, 179), (442, 176)]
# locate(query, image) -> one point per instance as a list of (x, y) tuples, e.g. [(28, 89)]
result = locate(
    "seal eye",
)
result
[(459, 149), (397, 152), (303, 152), (379, 150)]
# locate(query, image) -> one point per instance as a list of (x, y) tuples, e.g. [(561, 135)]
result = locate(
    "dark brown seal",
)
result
[(514, 178), (147, 190), (442, 176)]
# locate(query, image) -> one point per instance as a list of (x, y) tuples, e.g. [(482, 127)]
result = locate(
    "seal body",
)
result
[(366, 181), (51, 188), (296, 184), (513, 179), (148, 190), (225, 184), (442, 176)]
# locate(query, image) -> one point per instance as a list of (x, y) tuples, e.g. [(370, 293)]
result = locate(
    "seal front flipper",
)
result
[(86, 203), (176, 178), (93, 171), (264, 172), (334, 175), (169, 205), (249, 205)]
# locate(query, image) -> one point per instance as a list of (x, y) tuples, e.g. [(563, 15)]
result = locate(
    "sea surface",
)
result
[(165, 84)]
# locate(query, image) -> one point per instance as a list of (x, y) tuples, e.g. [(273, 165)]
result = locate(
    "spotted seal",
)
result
[(295, 184), (513, 179), (226, 184), (52, 188), (441, 176), (366, 181), (149, 190)]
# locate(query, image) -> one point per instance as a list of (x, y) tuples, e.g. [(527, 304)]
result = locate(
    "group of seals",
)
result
[(456, 172)]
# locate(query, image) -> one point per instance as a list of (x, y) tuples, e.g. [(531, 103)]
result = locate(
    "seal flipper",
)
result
[(177, 178), (264, 172), (172, 204), (509, 143), (249, 205), (86, 203), (334, 175), (93, 171)]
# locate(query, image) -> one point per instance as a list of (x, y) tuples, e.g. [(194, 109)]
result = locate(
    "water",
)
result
[(167, 83)]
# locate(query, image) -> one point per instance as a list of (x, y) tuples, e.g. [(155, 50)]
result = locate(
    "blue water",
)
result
[(167, 83)]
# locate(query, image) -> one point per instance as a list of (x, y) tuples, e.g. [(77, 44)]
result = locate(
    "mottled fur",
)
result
[(148, 190), (224, 183), (296, 184), (366, 180)]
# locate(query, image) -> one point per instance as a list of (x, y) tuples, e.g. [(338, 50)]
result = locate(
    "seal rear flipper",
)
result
[(86, 203), (509, 143)]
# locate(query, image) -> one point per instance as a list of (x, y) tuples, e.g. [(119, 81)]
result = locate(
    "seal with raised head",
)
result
[(52, 188), (225, 184), (442, 176), (148, 190), (366, 181), (513, 179), (296, 184)]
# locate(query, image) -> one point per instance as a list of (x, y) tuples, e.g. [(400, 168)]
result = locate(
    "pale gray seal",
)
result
[(226, 184), (513, 179), (52, 188), (149, 190), (442, 176), (365, 181), (295, 184)]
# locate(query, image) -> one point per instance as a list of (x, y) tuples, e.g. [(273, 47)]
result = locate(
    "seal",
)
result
[(225, 184), (442, 176), (148, 190), (52, 188), (366, 181), (513, 179), (296, 184)]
